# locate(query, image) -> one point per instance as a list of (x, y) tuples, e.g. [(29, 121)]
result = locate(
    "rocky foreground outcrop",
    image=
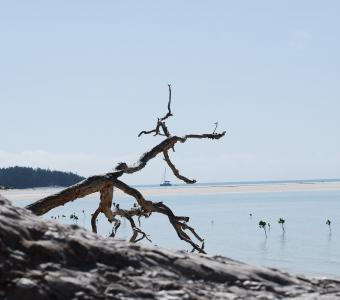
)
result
[(46, 260)]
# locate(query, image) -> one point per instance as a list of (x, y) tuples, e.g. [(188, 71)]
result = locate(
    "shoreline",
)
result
[(157, 272), (38, 193)]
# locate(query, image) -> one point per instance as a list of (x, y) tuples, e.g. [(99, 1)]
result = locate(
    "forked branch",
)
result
[(160, 121), (105, 184), (175, 170)]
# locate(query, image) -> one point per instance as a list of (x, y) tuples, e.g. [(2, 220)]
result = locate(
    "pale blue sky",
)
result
[(80, 79)]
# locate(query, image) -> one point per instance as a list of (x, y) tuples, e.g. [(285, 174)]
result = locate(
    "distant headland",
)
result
[(26, 177)]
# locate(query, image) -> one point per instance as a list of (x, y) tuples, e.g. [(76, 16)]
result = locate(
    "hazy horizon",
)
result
[(80, 80), (176, 181)]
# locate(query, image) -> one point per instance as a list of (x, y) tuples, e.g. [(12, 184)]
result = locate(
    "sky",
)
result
[(80, 79)]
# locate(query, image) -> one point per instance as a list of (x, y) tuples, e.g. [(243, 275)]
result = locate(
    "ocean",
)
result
[(229, 224)]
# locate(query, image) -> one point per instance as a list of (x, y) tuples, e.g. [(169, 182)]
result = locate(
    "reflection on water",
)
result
[(229, 224), (282, 240), (330, 237), (263, 248)]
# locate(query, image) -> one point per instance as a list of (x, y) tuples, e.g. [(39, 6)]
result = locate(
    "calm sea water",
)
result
[(223, 220)]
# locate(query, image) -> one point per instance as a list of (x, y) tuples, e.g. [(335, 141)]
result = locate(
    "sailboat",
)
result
[(165, 182)]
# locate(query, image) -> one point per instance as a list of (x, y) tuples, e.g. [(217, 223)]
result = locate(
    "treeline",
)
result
[(25, 177)]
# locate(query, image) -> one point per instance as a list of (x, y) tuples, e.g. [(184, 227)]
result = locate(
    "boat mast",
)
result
[(164, 174)]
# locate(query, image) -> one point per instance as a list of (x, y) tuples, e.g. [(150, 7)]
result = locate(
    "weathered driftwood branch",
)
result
[(175, 170), (160, 121), (105, 184), (96, 183)]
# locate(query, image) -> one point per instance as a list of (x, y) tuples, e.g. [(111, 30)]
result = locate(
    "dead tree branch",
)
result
[(160, 121), (105, 184), (216, 125), (175, 170)]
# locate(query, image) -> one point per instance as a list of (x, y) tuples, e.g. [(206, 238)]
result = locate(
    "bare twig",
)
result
[(216, 124), (169, 113), (160, 121)]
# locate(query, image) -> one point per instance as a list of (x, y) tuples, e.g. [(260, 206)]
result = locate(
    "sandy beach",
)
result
[(241, 188), (38, 193)]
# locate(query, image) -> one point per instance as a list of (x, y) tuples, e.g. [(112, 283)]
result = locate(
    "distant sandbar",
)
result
[(38, 193)]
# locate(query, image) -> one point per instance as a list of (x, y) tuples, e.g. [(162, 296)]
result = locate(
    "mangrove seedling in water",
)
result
[(328, 223), (74, 217), (263, 224), (282, 222)]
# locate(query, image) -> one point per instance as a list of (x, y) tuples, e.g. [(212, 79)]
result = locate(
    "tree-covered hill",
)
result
[(25, 177)]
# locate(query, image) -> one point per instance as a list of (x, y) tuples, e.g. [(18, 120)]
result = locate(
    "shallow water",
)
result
[(223, 220)]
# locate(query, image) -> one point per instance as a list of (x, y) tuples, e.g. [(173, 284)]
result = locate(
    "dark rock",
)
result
[(47, 260)]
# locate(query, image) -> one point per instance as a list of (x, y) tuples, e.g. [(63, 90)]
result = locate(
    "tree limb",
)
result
[(169, 113), (94, 220), (175, 170), (104, 184), (160, 121)]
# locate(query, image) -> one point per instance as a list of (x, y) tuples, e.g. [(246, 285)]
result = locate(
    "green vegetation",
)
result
[(25, 177), (74, 217), (263, 224), (282, 222), (328, 223)]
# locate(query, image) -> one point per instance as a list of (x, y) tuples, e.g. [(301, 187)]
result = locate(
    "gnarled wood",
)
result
[(104, 184), (86, 187), (160, 121), (94, 220), (175, 170)]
